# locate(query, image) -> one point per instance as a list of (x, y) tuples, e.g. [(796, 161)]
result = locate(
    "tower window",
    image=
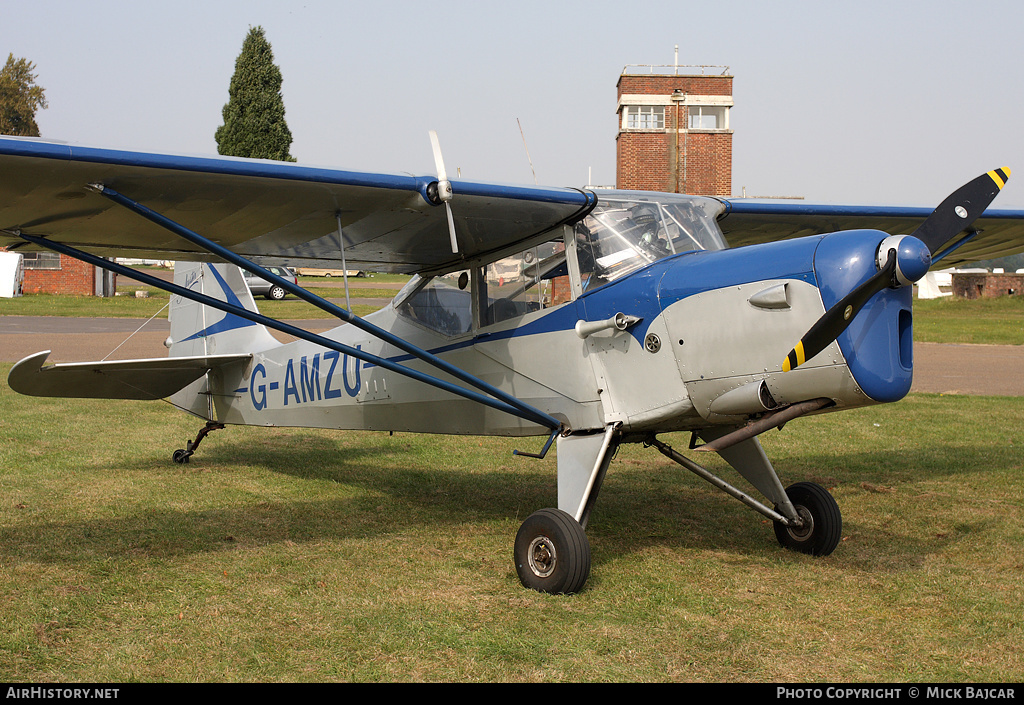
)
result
[(644, 117), (707, 117)]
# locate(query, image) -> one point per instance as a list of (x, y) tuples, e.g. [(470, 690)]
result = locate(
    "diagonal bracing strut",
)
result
[(491, 396)]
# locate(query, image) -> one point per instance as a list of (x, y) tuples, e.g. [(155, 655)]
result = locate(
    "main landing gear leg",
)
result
[(552, 553), (806, 518), (183, 454)]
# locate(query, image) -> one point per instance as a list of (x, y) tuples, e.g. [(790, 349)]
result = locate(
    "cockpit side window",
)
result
[(626, 231), (443, 304), (532, 280)]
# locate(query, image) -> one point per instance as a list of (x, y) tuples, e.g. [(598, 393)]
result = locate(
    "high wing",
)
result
[(747, 222), (272, 211), (288, 213)]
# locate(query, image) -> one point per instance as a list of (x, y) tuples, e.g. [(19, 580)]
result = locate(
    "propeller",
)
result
[(902, 260), (444, 189), (960, 209)]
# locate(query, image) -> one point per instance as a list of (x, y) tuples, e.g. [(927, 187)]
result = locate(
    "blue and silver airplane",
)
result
[(586, 318)]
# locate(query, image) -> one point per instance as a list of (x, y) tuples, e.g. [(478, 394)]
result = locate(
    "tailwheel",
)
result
[(182, 455), (822, 521), (552, 553)]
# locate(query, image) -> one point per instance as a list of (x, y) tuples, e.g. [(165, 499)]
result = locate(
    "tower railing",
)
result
[(674, 69)]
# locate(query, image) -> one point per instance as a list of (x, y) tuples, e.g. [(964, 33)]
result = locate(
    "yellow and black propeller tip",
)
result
[(961, 208)]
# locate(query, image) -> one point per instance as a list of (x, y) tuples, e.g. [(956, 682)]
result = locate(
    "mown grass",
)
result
[(299, 555), (997, 321)]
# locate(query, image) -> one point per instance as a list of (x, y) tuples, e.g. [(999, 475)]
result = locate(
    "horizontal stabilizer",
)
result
[(154, 378)]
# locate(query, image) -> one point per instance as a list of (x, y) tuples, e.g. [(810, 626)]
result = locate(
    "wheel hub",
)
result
[(542, 556), (806, 528)]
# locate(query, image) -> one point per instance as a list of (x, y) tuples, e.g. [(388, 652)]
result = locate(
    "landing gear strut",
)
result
[(552, 553), (182, 455), (806, 517)]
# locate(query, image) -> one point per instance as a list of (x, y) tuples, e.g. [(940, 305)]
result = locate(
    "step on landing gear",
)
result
[(182, 455)]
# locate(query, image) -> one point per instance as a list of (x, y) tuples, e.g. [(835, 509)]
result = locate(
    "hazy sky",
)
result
[(856, 102)]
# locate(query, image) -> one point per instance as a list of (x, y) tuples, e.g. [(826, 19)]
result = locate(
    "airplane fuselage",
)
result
[(711, 331)]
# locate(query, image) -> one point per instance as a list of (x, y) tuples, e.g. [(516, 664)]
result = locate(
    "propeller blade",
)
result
[(836, 319), (444, 189), (438, 161), (960, 209), (451, 227)]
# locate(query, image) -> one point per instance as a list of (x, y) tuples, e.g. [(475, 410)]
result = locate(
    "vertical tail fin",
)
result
[(201, 330)]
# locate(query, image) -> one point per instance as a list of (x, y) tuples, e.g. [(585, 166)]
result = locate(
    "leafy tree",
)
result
[(1010, 263), (20, 97), (254, 124)]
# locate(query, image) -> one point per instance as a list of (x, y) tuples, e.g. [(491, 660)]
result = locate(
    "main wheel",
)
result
[(823, 522), (276, 293), (552, 553)]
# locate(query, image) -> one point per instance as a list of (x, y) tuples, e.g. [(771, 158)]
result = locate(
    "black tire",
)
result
[(276, 293), (823, 522), (552, 553), (180, 456)]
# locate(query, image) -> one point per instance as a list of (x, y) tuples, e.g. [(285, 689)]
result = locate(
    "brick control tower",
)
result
[(674, 131)]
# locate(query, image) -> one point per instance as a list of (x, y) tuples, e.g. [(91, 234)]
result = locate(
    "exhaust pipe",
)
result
[(752, 398), (765, 423)]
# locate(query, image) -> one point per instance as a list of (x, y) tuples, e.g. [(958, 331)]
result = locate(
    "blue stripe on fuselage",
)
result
[(876, 345), (653, 288)]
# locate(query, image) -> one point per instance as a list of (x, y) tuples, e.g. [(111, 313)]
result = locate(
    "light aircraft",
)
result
[(586, 318)]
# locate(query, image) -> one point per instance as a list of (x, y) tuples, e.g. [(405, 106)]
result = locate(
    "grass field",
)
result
[(289, 555), (294, 555), (954, 320)]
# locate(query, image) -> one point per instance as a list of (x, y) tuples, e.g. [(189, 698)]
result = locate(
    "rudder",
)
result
[(202, 330)]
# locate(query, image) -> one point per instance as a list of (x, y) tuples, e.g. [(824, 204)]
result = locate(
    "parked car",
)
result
[(259, 286)]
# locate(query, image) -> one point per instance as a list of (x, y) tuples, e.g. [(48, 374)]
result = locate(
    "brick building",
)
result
[(984, 285), (51, 273), (673, 130)]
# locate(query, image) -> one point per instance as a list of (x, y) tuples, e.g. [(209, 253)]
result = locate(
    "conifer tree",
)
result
[(20, 97), (254, 124)]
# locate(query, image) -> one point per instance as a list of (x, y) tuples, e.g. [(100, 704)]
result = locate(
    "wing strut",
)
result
[(493, 397), (537, 416)]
